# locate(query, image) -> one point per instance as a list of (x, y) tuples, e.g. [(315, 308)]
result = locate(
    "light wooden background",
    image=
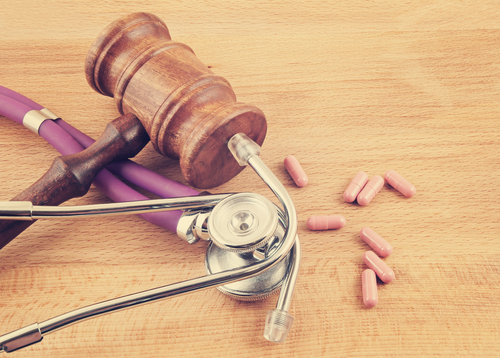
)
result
[(346, 86)]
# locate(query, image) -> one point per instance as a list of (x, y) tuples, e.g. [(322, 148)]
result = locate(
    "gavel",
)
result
[(188, 113)]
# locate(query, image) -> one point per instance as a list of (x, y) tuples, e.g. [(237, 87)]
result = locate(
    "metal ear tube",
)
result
[(264, 251)]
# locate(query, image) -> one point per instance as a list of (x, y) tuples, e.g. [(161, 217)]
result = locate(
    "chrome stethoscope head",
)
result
[(242, 223), (243, 229), (254, 250), (253, 220)]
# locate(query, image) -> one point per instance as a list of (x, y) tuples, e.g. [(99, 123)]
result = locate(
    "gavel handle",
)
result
[(71, 175)]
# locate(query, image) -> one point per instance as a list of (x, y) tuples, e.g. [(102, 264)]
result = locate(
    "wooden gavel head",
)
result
[(189, 112)]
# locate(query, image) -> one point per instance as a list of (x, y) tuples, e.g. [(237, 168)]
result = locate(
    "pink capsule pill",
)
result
[(355, 186), (374, 262), (369, 288), (293, 168), (376, 242), (326, 222), (400, 184), (370, 190)]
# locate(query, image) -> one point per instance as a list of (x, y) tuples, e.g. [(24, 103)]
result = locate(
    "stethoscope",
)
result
[(254, 248)]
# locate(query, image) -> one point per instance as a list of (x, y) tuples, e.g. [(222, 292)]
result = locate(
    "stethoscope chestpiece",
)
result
[(242, 222), (244, 229)]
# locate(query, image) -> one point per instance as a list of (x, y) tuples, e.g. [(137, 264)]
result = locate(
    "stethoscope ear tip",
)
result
[(278, 324)]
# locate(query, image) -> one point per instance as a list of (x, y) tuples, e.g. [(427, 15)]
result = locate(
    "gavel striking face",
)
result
[(188, 112)]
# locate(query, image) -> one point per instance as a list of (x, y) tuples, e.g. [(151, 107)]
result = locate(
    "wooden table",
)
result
[(346, 87)]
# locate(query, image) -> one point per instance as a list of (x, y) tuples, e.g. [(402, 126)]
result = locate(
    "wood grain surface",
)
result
[(346, 86)]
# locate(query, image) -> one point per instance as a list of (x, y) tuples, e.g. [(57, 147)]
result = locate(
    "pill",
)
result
[(374, 262), (370, 190), (355, 186), (400, 184), (369, 288), (293, 168), (376, 242), (326, 222)]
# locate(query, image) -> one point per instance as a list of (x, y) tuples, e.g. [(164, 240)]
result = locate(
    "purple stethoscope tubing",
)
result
[(68, 140)]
